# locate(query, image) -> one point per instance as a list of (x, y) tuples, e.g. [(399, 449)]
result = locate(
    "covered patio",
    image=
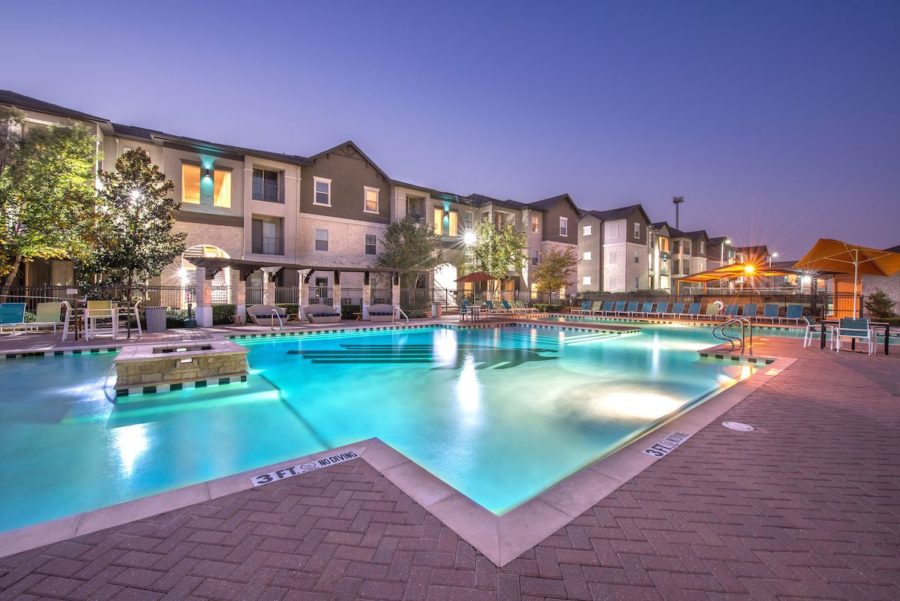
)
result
[(208, 267)]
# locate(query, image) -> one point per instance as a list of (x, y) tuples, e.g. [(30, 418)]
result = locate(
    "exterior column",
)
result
[(203, 296), (395, 289), (239, 287), (336, 291), (304, 294), (268, 289), (366, 296)]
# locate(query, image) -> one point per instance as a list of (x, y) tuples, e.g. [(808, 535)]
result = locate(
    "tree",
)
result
[(134, 240), (879, 305), (555, 270), (46, 192), (498, 251), (411, 249)]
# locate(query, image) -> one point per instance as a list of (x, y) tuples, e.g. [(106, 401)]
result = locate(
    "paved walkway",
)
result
[(805, 507)]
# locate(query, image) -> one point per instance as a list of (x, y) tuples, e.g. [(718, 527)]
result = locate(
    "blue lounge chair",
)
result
[(793, 313), (619, 308), (693, 311), (770, 313), (507, 307), (661, 309), (12, 315), (608, 308), (813, 330), (731, 311), (465, 311), (585, 307), (749, 311), (854, 330), (632, 308), (646, 309), (677, 310)]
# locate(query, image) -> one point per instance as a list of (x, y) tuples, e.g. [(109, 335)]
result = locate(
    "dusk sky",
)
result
[(778, 122)]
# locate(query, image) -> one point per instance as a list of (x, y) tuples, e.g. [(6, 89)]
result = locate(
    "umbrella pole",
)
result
[(855, 272)]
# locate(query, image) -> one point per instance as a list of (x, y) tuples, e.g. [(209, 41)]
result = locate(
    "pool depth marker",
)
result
[(305, 468)]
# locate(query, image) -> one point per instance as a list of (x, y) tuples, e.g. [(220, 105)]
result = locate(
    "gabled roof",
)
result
[(694, 235), (480, 200), (894, 249), (718, 240), (33, 104), (152, 135), (547, 203), (620, 213), (397, 182), (359, 150), (758, 250)]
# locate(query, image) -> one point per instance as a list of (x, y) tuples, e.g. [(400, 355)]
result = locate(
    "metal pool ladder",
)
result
[(744, 341), (400, 312)]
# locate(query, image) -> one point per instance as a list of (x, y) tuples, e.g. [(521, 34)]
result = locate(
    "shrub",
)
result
[(30, 317), (175, 318), (879, 305), (223, 314), (290, 309), (347, 311)]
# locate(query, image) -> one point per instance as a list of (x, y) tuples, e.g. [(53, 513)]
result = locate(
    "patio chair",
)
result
[(46, 316), (523, 308), (585, 307), (793, 313), (100, 311), (12, 315), (599, 308), (713, 310), (381, 312), (854, 330), (731, 310), (646, 309), (661, 309), (466, 311), (270, 315), (316, 313), (509, 308), (770, 313), (631, 309), (693, 311), (618, 308), (749, 311), (813, 330), (677, 310)]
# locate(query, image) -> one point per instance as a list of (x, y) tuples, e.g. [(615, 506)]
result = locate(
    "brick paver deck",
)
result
[(805, 507)]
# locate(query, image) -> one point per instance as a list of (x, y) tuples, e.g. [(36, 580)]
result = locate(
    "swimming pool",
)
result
[(500, 414)]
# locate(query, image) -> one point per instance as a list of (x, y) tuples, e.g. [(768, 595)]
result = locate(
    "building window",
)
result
[(321, 239), (686, 247), (637, 257), (637, 283), (438, 221), (190, 183), (611, 257), (702, 247), (611, 230), (267, 236), (370, 244), (370, 199), (415, 208), (586, 280), (222, 189), (535, 224), (564, 227), (637, 231), (265, 185), (323, 191), (587, 256), (453, 217), (587, 230), (468, 221), (535, 257)]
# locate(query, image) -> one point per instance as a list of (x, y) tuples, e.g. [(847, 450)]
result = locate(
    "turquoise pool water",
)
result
[(500, 414)]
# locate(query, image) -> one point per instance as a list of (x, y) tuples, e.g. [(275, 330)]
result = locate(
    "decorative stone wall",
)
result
[(144, 365)]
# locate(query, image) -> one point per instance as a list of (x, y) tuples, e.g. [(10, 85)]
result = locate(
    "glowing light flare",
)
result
[(445, 347), (468, 389), (131, 443), (638, 404), (469, 238), (749, 269)]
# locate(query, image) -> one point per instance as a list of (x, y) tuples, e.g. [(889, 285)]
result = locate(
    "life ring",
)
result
[(719, 305)]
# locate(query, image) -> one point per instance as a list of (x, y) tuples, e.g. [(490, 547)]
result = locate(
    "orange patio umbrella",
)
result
[(836, 256), (475, 276)]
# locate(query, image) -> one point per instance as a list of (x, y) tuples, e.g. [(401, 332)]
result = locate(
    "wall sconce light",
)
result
[(207, 172)]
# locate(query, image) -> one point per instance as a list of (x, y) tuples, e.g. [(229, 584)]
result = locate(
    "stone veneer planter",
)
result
[(147, 368)]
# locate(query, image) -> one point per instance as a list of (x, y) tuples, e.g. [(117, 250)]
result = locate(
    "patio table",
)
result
[(875, 325)]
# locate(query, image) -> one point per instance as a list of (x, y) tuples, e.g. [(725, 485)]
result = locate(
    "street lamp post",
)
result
[(772, 256)]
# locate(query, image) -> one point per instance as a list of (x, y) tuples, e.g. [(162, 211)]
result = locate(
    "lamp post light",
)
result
[(722, 249), (772, 256)]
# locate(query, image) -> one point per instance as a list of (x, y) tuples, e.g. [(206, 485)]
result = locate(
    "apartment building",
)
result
[(614, 250), (322, 218)]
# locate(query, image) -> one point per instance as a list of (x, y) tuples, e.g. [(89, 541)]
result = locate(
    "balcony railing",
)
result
[(268, 246)]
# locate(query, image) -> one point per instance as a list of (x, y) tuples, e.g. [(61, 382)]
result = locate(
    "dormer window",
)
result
[(564, 227), (637, 231), (370, 199)]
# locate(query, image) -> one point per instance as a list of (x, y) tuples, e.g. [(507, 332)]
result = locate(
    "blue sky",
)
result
[(778, 122)]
